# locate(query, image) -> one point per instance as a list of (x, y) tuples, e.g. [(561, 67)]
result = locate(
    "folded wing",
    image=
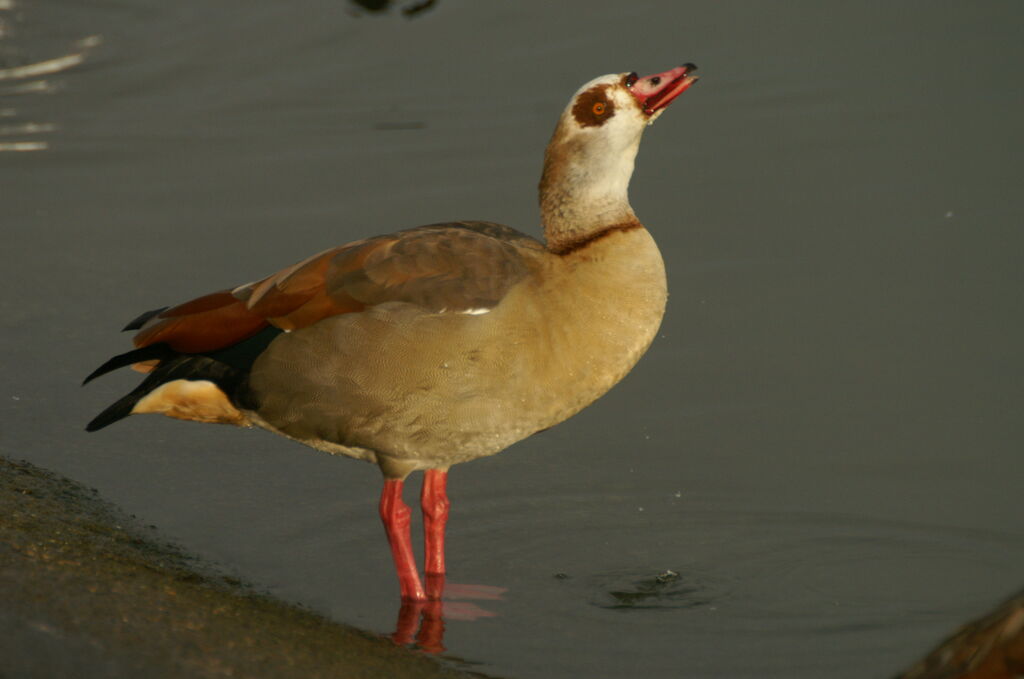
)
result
[(463, 267)]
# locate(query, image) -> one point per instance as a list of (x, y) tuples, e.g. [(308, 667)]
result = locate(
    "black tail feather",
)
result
[(122, 408), (177, 367), (154, 351), (141, 320), (119, 410), (228, 368)]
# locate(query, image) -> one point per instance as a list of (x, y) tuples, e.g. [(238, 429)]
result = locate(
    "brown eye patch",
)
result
[(593, 107)]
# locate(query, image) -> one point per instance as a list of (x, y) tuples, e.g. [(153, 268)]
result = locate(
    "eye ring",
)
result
[(599, 108)]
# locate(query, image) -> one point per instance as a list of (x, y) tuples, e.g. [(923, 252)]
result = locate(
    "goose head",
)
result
[(589, 160)]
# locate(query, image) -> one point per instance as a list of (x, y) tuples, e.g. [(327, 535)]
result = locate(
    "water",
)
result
[(823, 443)]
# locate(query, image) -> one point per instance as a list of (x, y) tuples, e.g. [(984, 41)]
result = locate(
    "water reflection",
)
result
[(422, 622), (21, 75)]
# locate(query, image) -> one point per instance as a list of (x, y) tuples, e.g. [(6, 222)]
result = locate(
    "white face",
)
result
[(589, 160), (597, 139)]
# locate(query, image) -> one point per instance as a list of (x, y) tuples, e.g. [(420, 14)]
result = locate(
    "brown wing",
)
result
[(457, 267)]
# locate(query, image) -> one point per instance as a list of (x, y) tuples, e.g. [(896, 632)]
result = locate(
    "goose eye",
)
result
[(599, 108), (631, 79)]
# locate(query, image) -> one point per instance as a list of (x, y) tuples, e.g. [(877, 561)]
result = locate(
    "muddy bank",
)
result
[(88, 592)]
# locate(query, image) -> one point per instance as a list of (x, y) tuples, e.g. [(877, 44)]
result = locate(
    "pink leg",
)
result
[(435, 585), (435, 504), (396, 517)]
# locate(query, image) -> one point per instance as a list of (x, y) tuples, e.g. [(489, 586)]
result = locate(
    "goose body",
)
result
[(448, 387), (440, 344)]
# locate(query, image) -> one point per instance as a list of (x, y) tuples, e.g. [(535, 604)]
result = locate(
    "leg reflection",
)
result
[(422, 622)]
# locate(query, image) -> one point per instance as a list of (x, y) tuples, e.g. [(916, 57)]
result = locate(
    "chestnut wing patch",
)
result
[(457, 267), (203, 324)]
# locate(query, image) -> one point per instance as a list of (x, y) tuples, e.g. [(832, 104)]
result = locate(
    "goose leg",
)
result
[(434, 502), (396, 517)]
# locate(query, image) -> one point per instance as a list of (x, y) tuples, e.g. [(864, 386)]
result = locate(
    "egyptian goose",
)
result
[(438, 344)]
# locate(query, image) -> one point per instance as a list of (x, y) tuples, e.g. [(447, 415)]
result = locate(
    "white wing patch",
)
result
[(478, 311)]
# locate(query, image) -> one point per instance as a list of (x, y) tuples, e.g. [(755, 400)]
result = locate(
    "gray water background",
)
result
[(825, 439)]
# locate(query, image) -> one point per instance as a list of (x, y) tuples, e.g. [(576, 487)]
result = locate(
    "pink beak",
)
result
[(655, 92)]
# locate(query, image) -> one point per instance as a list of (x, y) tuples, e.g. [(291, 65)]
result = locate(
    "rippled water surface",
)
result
[(815, 471)]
